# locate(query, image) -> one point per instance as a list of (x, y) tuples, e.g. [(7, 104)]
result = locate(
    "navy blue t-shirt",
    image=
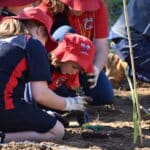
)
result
[(22, 59)]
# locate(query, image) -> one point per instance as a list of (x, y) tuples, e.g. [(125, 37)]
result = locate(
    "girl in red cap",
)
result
[(88, 18), (23, 59), (68, 59)]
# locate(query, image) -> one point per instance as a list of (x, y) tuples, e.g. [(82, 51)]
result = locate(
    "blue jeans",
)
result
[(103, 93)]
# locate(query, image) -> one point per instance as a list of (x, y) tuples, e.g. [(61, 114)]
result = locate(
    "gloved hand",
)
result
[(77, 103), (93, 77), (115, 70)]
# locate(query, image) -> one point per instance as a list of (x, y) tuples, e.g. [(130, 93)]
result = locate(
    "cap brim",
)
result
[(4, 3), (58, 53), (88, 68), (82, 5), (86, 8), (51, 44)]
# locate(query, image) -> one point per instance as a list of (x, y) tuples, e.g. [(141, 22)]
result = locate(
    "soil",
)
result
[(115, 130)]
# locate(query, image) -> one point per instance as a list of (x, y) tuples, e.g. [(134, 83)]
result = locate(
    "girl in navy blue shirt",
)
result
[(23, 59)]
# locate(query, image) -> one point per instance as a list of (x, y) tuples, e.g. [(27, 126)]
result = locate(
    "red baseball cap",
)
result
[(4, 3), (76, 48), (49, 45), (35, 13), (83, 5)]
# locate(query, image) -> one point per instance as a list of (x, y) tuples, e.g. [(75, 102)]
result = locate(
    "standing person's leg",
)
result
[(141, 55), (103, 92), (142, 59)]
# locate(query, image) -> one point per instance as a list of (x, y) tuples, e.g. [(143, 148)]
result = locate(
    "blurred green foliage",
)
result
[(115, 7)]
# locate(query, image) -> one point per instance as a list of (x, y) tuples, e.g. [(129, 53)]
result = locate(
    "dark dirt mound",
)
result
[(116, 132)]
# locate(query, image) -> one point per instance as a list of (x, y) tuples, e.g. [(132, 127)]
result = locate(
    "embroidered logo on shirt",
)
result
[(60, 82), (88, 23), (85, 48)]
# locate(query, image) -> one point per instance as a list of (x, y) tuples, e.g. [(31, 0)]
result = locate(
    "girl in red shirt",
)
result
[(69, 58)]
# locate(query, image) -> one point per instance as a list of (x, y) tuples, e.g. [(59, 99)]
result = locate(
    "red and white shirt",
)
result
[(91, 24), (58, 79)]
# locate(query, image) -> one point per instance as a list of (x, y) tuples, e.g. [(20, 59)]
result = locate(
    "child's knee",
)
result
[(58, 131)]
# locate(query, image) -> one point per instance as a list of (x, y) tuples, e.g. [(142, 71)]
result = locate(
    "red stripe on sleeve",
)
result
[(12, 83)]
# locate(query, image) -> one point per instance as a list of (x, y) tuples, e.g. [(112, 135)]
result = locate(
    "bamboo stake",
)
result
[(136, 108)]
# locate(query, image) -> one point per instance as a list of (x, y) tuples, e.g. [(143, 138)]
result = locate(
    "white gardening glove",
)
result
[(93, 77), (77, 103)]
